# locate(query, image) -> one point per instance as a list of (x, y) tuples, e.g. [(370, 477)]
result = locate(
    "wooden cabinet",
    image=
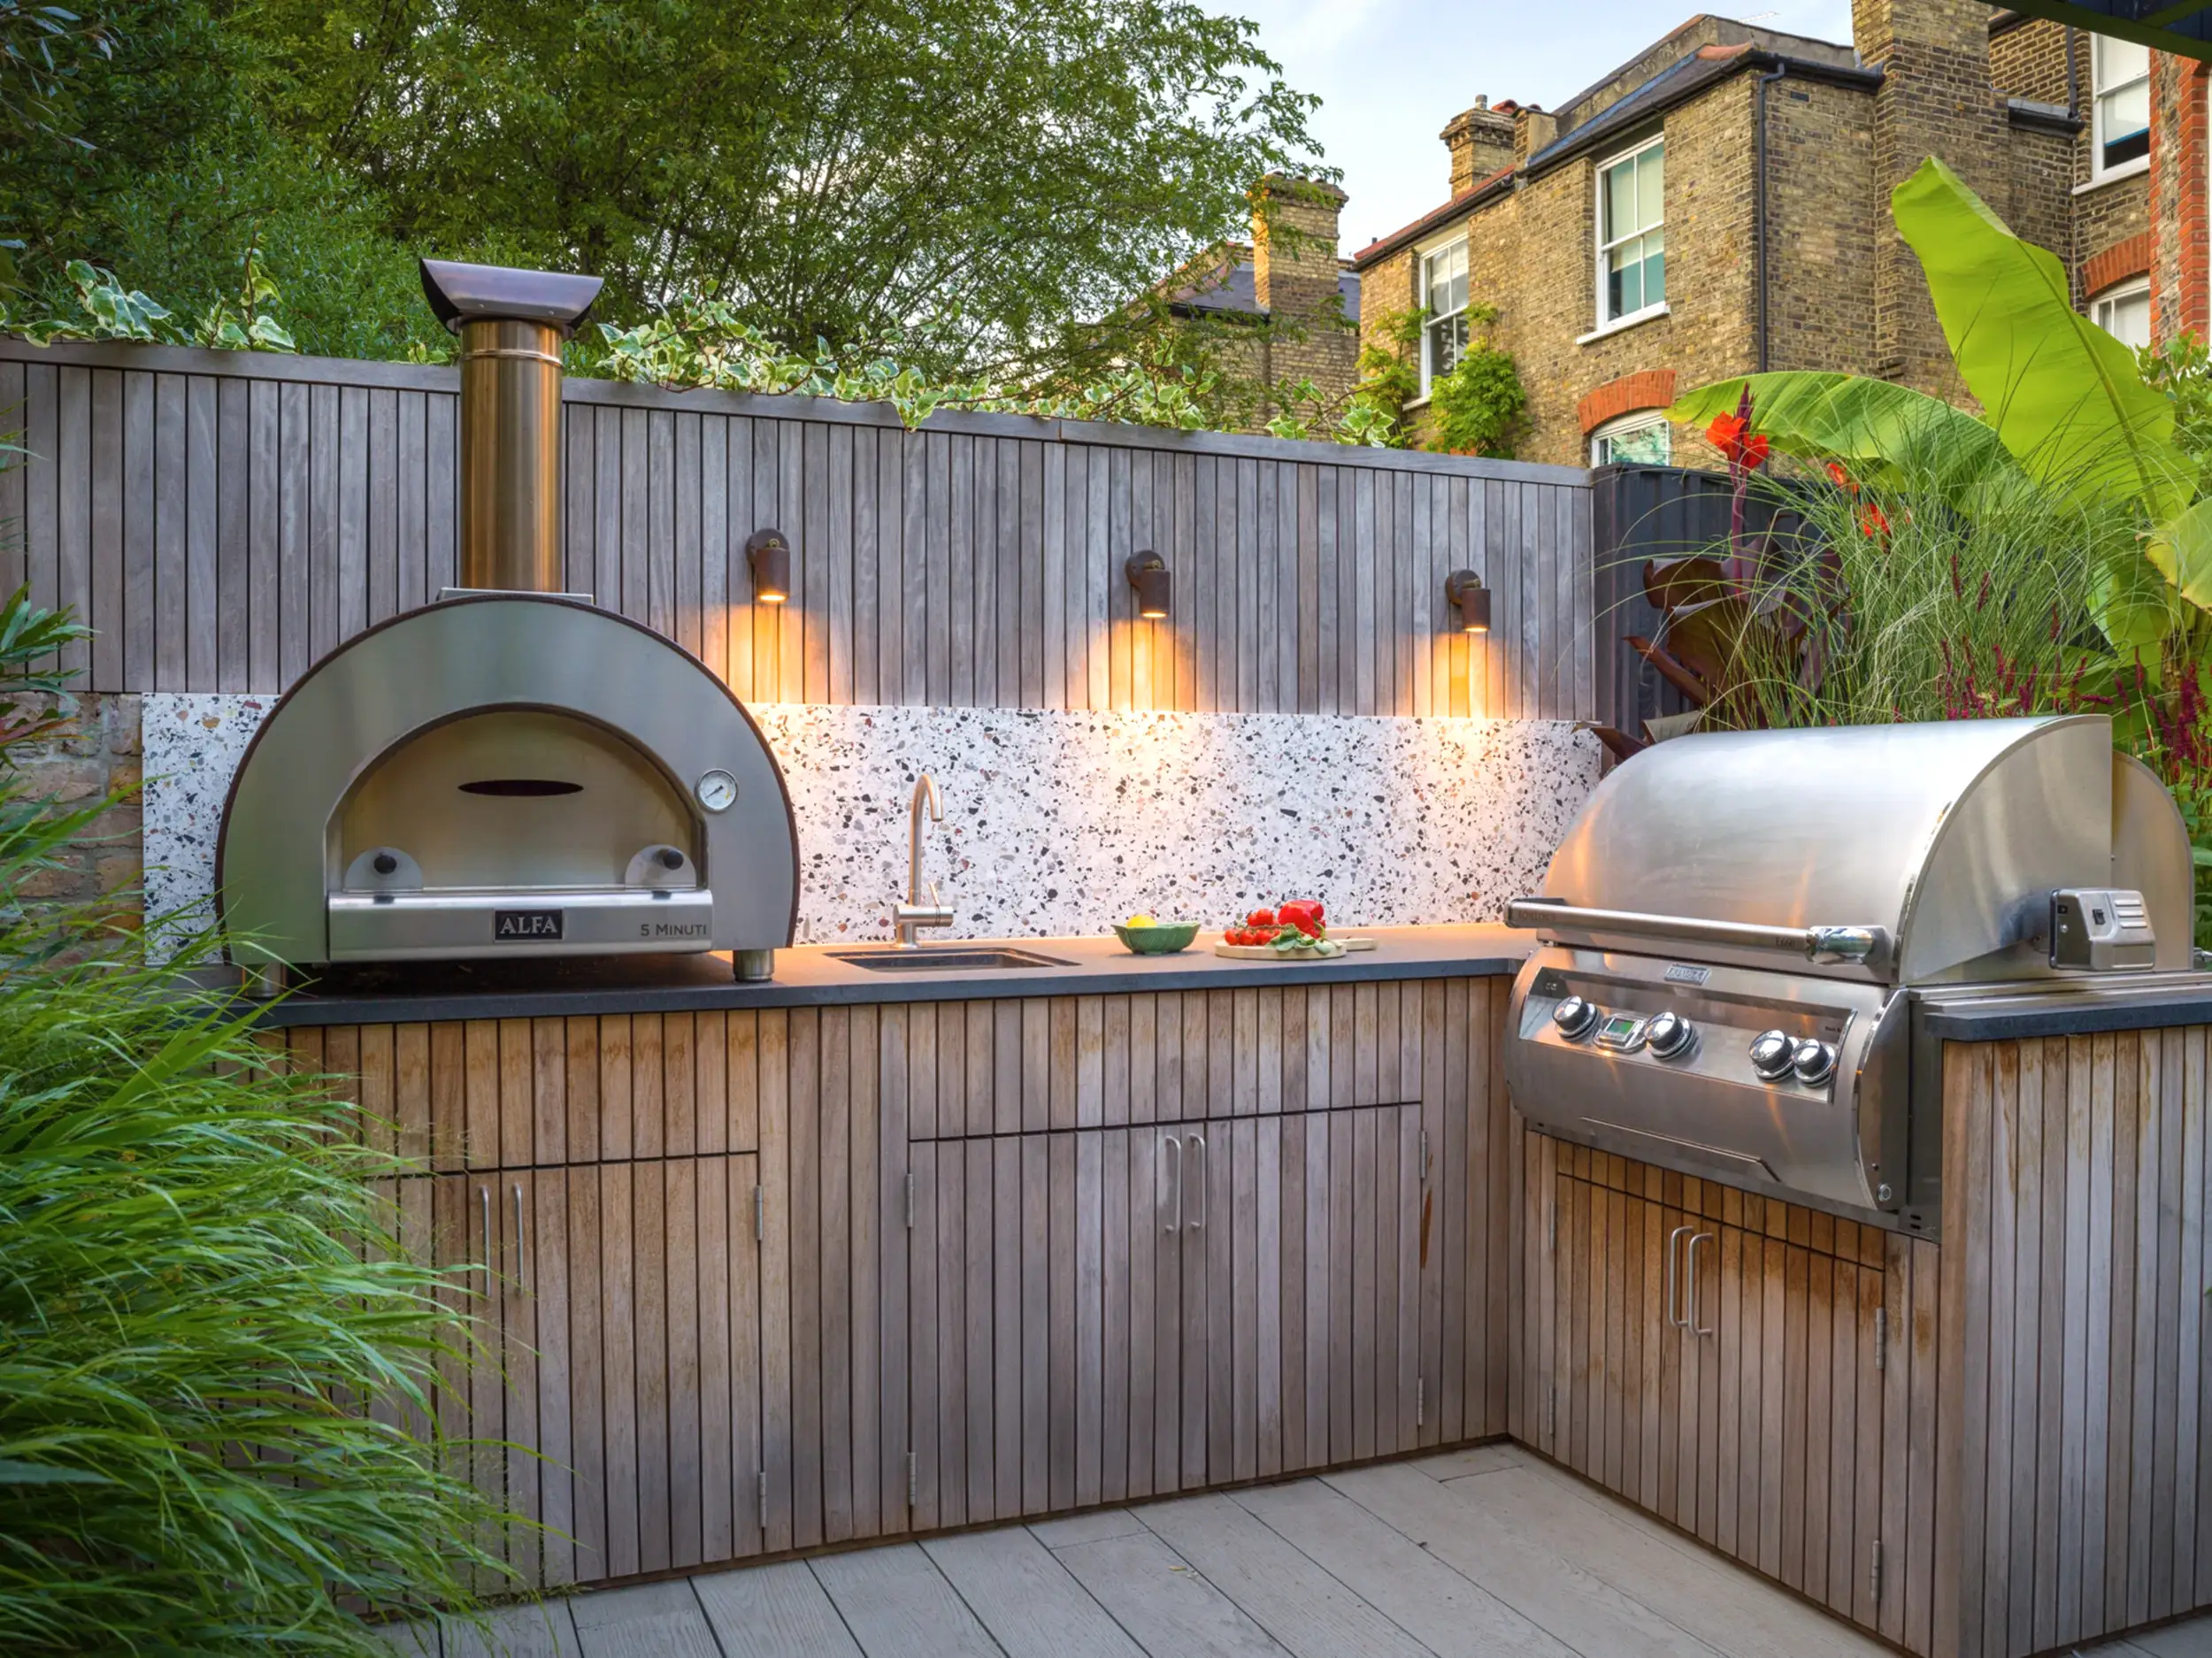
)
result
[(612, 1393), (774, 1280), (1746, 1370)]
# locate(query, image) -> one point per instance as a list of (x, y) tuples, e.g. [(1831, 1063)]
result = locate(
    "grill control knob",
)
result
[(1772, 1053), (1814, 1061), (1669, 1034), (1574, 1017)]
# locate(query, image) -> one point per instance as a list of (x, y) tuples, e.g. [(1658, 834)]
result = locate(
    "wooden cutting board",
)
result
[(1269, 953)]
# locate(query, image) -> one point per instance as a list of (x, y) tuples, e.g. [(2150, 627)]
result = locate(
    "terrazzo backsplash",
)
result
[(1060, 823)]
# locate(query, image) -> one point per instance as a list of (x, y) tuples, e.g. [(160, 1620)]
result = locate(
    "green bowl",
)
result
[(1164, 939)]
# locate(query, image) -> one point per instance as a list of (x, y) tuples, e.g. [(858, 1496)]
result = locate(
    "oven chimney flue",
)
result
[(511, 325)]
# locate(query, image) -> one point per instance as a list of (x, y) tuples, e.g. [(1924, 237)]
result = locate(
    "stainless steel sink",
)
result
[(944, 961)]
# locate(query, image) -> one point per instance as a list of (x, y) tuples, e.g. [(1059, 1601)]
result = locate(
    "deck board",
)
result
[(1028, 1602), (1480, 1552), (898, 1605), (779, 1611)]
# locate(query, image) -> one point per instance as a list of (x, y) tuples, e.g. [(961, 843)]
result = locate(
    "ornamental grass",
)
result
[(214, 1365)]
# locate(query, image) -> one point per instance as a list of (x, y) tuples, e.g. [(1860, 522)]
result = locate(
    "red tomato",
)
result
[(1261, 918)]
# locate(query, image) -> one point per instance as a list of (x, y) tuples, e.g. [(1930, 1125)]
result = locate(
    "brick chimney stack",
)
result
[(1481, 142), (1936, 100), (1532, 129), (1295, 277)]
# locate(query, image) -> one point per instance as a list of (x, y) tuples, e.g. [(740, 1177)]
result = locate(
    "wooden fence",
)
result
[(224, 518)]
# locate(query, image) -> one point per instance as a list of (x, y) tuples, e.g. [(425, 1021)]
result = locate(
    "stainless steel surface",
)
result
[(1693, 1323), (2101, 929), (909, 917), (484, 1197), (522, 1275), (510, 454), (1709, 1110), (1194, 1164), (753, 967), (511, 324), (1174, 1207), (535, 921), (1787, 899), (522, 752), (1931, 832), (942, 959), (2150, 853), (1673, 1276), (1827, 944)]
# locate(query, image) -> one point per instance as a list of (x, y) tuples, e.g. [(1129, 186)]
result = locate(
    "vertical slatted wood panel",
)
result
[(1795, 1431), (2076, 1474), (224, 521), (725, 1318)]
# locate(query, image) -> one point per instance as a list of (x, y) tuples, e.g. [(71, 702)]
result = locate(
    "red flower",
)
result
[(1843, 479), (1873, 522), (1728, 435)]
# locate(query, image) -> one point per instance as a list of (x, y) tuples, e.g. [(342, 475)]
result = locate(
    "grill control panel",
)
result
[(1667, 1035), (1775, 1057)]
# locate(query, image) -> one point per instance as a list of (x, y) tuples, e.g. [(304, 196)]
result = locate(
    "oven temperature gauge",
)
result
[(717, 791)]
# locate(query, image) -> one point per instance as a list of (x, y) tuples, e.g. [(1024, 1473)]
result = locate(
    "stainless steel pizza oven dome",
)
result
[(509, 771)]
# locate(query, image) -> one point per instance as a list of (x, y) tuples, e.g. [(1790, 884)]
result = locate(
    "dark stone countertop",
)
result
[(2134, 1002), (811, 976)]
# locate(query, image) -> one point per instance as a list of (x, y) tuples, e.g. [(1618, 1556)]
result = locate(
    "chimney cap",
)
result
[(462, 293)]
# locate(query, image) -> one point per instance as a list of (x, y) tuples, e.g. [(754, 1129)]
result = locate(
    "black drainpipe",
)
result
[(1759, 193)]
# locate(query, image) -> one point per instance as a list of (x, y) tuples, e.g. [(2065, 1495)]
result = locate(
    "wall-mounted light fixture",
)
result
[(1471, 599), (1149, 575), (770, 555)]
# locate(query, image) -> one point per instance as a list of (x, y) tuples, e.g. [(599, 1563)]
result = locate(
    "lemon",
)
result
[(1141, 921)]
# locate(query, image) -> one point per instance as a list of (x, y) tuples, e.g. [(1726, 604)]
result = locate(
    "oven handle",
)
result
[(1866, 945)]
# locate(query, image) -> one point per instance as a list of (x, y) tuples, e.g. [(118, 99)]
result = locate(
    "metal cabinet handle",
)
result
[(1674, 1278), (1695, 1326), (1168, 1142), (522, 1278), (484, 1200), (1198, 1174)]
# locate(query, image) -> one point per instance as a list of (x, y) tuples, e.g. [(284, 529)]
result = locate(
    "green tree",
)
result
[(954, 179)]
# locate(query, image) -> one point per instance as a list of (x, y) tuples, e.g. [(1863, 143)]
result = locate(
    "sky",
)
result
[(1390, 73)]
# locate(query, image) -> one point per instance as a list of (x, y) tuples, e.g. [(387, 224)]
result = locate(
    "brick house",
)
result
[(1719, 206), (1285, 308)]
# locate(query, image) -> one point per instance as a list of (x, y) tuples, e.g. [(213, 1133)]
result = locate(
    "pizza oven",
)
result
[(511, 771)]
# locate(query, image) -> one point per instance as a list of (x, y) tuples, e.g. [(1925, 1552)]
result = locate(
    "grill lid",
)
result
[(1947, 837)]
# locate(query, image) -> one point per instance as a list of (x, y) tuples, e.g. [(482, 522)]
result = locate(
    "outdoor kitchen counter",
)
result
[(2080, 1009), (813, 976)]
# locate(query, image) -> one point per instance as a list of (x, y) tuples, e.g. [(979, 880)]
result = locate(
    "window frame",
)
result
[(2100, 305), (2099, 172), (1621, 426), (1421, 259), (1652, 308)]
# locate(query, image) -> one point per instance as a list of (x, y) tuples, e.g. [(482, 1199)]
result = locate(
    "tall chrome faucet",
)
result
[(909, 917)]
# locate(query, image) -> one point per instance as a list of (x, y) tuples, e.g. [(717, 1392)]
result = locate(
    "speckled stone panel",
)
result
[(1060, 823)]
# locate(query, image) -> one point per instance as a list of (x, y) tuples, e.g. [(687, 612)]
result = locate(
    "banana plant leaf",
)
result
[(2181, 550), (2064, 396), (1887, 435)]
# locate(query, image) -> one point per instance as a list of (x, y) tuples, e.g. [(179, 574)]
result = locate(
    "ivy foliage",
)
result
[(1481, 407)]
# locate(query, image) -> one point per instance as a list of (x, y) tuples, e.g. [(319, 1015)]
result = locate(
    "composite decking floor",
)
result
[(1486, 1553)]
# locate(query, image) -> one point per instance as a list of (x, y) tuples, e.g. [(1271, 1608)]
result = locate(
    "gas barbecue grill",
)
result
[(511, 771), (1740, 925)]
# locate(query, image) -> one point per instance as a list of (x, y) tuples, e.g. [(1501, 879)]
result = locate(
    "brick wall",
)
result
[(1481, 141), (2027, 59), (1845, 293), (1936, 99), (2175, 191), (95, 755), (1296, 278)]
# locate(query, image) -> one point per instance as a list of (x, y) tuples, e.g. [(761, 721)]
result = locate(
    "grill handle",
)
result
[(1869, 946)]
